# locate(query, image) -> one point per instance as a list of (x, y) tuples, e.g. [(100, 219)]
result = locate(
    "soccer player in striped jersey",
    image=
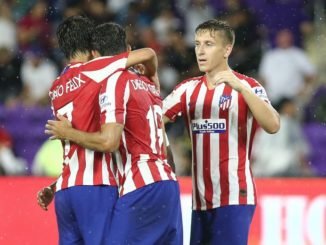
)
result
[(221, 110), (86, 191), (148, 210)]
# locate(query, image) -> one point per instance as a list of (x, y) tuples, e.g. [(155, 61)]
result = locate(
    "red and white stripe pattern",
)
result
[(75, 94), (221, 145), (131, 100)]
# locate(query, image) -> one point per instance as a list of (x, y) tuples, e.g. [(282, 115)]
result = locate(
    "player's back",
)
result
[(143, 127), (75, 94), (137, 105)]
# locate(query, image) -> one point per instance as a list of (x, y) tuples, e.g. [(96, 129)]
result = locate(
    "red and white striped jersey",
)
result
[(132, 100), (75, 94), (221, 128)]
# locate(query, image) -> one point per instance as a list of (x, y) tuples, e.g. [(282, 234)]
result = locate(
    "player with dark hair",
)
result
[(86, 191), (148, 210), (221, 109)]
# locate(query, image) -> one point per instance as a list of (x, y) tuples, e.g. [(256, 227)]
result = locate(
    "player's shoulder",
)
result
[(139, 81), (67, 73), (252, 82), (122, 76), (190, 82), (104, 59)]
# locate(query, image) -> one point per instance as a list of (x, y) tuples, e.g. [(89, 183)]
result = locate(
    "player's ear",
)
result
[(95, 54), (128, 48), (228, 50)]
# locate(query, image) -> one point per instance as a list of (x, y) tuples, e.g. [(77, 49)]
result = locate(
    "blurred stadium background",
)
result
[(279, 42)]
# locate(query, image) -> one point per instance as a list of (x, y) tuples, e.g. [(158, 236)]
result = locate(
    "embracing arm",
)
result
[(148, 58), (145, 56), (105, 140)]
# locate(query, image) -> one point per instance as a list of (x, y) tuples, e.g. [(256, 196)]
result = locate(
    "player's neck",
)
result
[(80, 57), (210, 76)]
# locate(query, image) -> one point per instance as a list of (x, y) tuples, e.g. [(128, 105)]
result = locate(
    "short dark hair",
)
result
[(109, 39), (218, 26), (74, 35)]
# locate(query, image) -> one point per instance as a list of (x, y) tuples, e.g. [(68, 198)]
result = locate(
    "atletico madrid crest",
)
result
[(225, 101)]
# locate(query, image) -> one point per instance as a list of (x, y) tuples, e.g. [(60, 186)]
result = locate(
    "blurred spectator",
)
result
[(276, 15), (197, 12), (37, 74), (117, 5), (97, 10), (164, 22), (285, 153), (48, 159), (148, 39), (168, 76), (34, 28), (248, 43), (10, 81), (286, 70), (137, 13), (7, 28), (180, 55), (9, 163), (72, 8), (133, 37)]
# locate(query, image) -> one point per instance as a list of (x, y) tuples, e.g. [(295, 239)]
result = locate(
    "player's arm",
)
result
[(172, 103), (169, 153), (166, 119), (167, 149), (148, 58), (105, 140), (45, 196), (170, 158), (145, 56), (266, 116)]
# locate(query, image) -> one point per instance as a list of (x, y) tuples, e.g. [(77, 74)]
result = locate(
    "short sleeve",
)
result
[(172, 106), (100, 68), (113, 99), (260, 92)]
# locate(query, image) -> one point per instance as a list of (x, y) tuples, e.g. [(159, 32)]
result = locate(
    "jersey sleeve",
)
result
[(101, 68), (256, 88), (260, 92), (172, 103), (113, 99)]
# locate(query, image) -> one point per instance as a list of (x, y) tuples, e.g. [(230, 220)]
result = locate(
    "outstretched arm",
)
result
[(148, 58), (105, 140)]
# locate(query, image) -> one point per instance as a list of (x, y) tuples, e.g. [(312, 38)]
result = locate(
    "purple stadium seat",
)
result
[(316, 135), (26, 126), (315, 111)]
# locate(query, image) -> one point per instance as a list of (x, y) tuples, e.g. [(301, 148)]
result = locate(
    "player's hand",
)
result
[(230, 79), (57, 128), (141, 69), (45, 197)]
